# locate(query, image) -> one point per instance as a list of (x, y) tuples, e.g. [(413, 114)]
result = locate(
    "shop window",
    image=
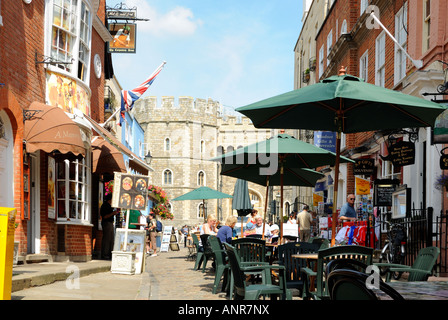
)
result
[(380, 63), (364, 66), (71, 25), (72, 191), (401, 36)]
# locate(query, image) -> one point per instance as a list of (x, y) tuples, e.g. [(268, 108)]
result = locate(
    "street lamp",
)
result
[(148, 158)]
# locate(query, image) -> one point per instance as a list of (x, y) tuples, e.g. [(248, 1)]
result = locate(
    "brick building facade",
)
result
[(42, 64)]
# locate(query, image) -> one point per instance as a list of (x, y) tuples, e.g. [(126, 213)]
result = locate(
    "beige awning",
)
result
[(106, 158), (51, 129), (134, 161)]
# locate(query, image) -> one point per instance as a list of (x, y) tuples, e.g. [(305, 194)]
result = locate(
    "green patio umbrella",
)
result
[(241, 200), (265, 159), (202, 193), (342, 103)]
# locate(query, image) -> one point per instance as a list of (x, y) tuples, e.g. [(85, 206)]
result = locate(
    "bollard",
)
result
[(7, 221)]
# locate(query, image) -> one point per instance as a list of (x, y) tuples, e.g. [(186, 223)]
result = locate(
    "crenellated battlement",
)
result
[(184, 103)]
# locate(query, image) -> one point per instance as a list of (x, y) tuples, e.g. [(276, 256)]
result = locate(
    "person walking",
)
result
[(107, 223), (304, 220)]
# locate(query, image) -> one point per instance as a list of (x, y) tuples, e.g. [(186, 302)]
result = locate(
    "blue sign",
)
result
[(325, 140)]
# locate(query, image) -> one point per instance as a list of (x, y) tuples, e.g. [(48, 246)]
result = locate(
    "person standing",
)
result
[(152, 229), (348, 212), (304, 220), (107, 223)]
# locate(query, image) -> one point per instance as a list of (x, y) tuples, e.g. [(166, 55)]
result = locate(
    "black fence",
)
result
[(423, 230)]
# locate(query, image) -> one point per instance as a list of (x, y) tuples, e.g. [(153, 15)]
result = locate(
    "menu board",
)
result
[(130, 191), (382, 192)]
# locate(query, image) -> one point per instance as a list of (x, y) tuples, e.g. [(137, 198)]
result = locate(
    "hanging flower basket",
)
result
[(161, 207), (109, 187), (441, 182)]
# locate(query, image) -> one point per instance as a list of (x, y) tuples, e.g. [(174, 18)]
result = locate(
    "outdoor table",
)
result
[(418, 290), (308, 257)]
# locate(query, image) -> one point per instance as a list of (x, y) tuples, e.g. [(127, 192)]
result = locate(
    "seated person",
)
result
[(225, 233), (250, 229)]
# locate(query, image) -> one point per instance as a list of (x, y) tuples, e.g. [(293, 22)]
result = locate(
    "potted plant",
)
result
[(312, 64), (306, 75), (441, 182)]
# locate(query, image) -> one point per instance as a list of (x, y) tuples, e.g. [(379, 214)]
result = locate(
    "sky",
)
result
[(236, 51)]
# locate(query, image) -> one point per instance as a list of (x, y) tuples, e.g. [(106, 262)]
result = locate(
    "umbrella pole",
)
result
[(335, 189), (265, 205), (281, 201)]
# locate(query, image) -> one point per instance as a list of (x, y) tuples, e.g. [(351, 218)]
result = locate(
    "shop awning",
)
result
[(51, 129), (106, 158), (134, 161)]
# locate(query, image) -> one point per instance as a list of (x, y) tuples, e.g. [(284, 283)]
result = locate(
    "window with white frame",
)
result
[(167, 177), (426, 24), (71, 25), (321, 61), (72, 190), (364, 66), (344, 27), (329, 44), (401, 36), (363, 6), (380, 54)]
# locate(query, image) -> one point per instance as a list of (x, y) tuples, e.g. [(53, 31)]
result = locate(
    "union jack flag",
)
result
[(128, 97)]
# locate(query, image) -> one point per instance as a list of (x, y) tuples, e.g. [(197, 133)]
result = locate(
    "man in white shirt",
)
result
[(259, 227)]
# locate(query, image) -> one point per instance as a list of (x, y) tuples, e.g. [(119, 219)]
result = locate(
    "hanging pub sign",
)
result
[(443, 160), (130, 191), (402, 153), (124, 37), (364, 167), (121, 14)]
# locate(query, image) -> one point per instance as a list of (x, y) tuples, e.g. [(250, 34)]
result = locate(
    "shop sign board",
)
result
[(325, 140), (402, 153), (130, 191), (364, 167)]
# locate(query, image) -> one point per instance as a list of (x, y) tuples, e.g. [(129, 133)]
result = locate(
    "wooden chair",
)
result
[(362, 254), (345, 284), (293, 266), (420, 270), (221, 265), (253, 292)]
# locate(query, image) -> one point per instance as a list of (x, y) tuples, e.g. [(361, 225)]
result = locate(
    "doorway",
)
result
[(33, 225)]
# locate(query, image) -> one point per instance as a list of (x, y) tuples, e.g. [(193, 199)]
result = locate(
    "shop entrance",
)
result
[(33, 225), (6, 162)]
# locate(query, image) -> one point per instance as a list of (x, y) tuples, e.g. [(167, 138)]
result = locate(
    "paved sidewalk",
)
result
[(168, 276)]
